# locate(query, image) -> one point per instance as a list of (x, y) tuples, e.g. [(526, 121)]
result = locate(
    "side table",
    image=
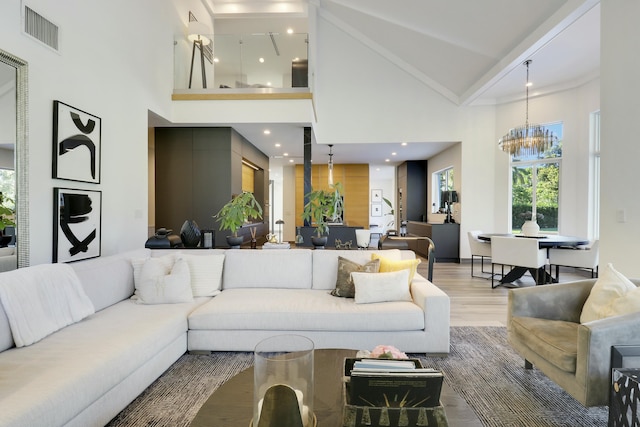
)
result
[(625, 398)]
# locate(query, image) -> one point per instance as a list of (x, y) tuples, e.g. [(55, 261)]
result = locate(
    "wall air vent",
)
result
[(40, 28)]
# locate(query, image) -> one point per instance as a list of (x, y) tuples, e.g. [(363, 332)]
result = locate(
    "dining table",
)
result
[(545, 241)]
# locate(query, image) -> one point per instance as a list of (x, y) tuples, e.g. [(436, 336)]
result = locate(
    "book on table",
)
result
[(393, 383)]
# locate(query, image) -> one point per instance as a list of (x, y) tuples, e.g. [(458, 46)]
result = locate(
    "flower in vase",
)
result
[(387, 352)]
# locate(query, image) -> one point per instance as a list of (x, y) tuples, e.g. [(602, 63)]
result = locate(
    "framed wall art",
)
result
[(77, 224), (376, 209), (376, 196), (76, 144)]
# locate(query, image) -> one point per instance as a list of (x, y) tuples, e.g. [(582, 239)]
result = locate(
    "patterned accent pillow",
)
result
[(344, 283)]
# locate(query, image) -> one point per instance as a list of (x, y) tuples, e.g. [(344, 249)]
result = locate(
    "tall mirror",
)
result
[(14, 150)]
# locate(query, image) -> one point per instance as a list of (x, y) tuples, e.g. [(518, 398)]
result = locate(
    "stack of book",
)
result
[(389, 392), (394, 384)]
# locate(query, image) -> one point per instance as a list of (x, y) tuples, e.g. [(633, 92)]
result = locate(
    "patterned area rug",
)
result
[(481, 367)]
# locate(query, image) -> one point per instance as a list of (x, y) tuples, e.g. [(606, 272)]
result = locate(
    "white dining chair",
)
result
[(479, 248), (586, 257), (363, 238), (519, 252)]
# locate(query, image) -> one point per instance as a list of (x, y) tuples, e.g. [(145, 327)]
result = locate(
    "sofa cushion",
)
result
[(554, 340), (159, 287), (325, 263), (303, 310), (206, 273), (108, 280), (101, 350), (387, 265), (284, 268), (344, 282), (612, 295), (381, 287)]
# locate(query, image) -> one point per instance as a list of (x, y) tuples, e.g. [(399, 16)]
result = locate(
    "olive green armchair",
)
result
[(543, 326)]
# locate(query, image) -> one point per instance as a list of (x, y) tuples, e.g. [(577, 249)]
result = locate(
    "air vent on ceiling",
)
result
[(40, 28)]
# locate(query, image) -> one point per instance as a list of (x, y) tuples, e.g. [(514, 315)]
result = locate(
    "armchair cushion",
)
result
[(612, 295), (555, 340)]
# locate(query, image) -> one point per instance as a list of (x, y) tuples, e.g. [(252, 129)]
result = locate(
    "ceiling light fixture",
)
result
[(527, 140), (330, 165)]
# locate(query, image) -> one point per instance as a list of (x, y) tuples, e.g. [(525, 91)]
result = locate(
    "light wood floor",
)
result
[(473, 302)]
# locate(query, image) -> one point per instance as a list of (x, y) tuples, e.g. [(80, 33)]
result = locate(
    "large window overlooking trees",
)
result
[(541, 173)]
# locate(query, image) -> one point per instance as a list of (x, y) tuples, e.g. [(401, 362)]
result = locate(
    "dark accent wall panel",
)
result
[(197, 172)]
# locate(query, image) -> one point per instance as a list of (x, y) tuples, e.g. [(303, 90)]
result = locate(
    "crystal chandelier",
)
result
[(528, 140)]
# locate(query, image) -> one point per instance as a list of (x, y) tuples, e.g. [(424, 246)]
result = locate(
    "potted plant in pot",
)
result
[(322, 207), (235, 213)]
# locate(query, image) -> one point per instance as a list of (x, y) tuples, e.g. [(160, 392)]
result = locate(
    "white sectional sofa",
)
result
[(85, 373)]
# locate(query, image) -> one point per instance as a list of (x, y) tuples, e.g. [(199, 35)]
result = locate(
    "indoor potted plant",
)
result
[(323, 207), (235, 213)]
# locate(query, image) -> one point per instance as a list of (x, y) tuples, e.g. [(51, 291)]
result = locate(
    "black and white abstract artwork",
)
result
[(77, 224), (76, 144)]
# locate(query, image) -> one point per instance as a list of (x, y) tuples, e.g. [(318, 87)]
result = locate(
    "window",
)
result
[(541, 173), (442, 181)]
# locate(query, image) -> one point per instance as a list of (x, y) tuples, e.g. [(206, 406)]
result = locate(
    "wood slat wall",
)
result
[(355, 180)]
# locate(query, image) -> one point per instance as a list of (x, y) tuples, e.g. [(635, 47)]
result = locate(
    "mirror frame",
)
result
[(21, 155)]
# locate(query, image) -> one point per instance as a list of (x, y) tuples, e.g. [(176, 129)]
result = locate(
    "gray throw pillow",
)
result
[(344, 283)]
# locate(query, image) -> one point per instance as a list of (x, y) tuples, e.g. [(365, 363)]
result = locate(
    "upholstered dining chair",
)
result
[(586, 257), (363, 238), (479, 248), (519, 252)]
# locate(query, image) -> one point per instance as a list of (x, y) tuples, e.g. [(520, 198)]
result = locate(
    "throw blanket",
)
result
[(42, 299)]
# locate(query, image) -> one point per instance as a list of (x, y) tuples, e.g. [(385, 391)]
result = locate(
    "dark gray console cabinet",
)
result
[(446, 238)]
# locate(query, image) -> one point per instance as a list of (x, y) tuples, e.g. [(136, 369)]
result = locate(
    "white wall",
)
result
[(383, 177), (620, 151), (109, 67)]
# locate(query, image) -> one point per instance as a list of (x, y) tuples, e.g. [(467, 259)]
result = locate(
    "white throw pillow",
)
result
[(206, 274), (157, 287), (381, 287), (165, 260), (612, 295)]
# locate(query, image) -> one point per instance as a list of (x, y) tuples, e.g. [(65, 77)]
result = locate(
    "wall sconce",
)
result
[(196, 35)]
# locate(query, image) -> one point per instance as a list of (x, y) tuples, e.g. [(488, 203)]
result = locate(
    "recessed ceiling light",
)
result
[(289, 30), (278, 144), (296, 59), (290, 160), (268, 83), (404, 144), (394, 153), (267, 132), (261, 60), (216, 60), (285, 154), (529, 84), (387, 160)]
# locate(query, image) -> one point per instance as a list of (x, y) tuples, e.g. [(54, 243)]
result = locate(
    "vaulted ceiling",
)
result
[(470, 51)]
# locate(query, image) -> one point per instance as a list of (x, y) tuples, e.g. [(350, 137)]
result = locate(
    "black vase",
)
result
[(190, 234), (318, 242), (234, 241)]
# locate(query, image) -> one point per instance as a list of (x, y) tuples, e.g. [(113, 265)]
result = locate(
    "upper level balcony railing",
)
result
[(242, 62)]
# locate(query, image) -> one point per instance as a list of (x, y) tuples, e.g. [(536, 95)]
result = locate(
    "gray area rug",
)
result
[(481, 367)]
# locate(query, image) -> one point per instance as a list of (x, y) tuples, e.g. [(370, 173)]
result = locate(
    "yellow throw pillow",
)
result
[(387, 265)]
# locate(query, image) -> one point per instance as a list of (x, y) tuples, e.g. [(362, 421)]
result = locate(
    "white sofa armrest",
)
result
[(435, 304)]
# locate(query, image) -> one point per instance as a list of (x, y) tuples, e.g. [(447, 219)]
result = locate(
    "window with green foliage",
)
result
[(7, 197), (443, 181), (541, 173)]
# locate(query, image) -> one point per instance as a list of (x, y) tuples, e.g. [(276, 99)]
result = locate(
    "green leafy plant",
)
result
[(6, 213), (237, 211), (323, 206), (388, 202)]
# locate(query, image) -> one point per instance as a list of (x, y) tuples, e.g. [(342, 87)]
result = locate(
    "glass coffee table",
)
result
[(231, 405)]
